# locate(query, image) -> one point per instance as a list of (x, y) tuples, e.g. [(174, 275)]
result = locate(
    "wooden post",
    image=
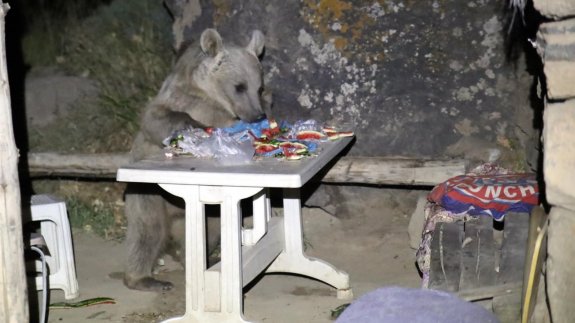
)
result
[(13, 291)]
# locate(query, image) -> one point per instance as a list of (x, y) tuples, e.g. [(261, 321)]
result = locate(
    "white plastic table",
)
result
[(273, 244)]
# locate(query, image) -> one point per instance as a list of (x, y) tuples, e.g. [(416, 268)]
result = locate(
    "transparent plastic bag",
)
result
[(219, 145), (305, 125), (227, 150), (188, 141)]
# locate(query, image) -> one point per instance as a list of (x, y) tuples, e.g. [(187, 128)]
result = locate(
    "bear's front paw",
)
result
[(148, 284)]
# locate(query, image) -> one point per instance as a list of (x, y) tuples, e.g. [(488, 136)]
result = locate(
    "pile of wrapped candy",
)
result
[(246, 141)]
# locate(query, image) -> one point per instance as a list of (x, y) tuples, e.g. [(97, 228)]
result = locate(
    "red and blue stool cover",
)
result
[(493, 195)]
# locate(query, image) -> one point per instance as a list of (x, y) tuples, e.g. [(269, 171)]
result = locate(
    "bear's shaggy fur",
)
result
[(212, 85)]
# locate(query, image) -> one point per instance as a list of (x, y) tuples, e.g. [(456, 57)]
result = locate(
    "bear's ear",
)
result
[(256, 45), (211, 42)]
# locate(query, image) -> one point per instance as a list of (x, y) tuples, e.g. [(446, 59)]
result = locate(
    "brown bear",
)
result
[(212, 85)]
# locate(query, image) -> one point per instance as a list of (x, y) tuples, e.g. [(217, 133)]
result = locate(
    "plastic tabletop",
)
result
[(259, 173)]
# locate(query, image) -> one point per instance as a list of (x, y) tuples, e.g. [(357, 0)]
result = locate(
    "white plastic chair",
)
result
[(55, 228)]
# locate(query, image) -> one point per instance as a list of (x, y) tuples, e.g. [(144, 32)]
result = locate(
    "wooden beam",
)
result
[(13, 290), (76, 165), (363, 170), (481, 293), (394, 170)]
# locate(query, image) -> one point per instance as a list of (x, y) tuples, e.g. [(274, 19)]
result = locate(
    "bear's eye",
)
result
[(241, 88)]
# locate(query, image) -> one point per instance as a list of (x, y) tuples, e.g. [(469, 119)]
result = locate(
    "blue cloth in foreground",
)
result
[(411, 305)]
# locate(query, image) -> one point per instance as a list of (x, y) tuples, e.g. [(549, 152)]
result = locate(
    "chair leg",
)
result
[(55, 227)]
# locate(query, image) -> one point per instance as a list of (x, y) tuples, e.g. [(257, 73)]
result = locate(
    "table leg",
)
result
[(231, 255), (293, 259), (212, 296), (261, 217), (195, 260), (232, 301)]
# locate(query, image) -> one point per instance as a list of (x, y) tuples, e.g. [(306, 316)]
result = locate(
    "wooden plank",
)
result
[(445, 256), (13, 293), (535, 256), (514, 248), (365, 170), (478, 254), (394, 170), (76, 165), (488, 292), (507, 307)]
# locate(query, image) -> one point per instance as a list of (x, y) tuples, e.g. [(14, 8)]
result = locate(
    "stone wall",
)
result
[(422, 78), (411, 77), (556, 46)]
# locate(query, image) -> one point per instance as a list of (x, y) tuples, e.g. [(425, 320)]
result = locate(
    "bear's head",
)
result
[(232, 75)]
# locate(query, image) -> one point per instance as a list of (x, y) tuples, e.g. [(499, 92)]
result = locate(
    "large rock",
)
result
[(51, 95), (411, 77), (417, 221)]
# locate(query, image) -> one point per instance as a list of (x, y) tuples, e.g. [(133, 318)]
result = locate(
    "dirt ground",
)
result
[(368, 240)]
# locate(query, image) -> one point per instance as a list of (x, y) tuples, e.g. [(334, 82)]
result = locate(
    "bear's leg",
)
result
[(177, 237), (146, 237)]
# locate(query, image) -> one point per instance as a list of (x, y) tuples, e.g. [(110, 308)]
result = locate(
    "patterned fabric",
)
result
[(486, 190), (492, 195), (434, 214)]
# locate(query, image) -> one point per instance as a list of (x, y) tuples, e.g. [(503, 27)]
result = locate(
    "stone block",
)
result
[(417, 221), (556, 46), (559, 153), (560, 77), (555, 9), (561, 265)]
